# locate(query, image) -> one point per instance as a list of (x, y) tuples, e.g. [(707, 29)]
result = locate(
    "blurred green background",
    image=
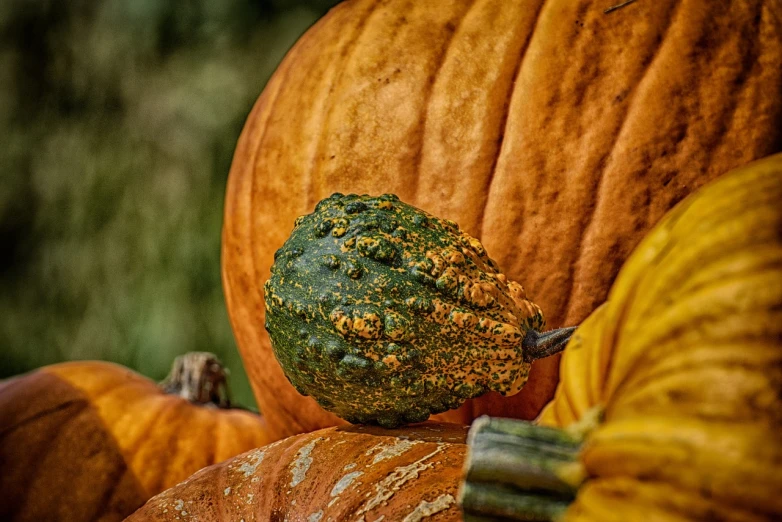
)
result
[(118, 121)]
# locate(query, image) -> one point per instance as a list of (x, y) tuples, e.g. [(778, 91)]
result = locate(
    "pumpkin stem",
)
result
[(517, 470), (537, 345), (200, 378)]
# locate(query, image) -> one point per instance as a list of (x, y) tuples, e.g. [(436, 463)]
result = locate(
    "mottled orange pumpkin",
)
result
[(86, 441), (345, 473), (556, 133)]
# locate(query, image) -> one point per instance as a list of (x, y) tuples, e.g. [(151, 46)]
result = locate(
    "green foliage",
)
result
[(118, 122)]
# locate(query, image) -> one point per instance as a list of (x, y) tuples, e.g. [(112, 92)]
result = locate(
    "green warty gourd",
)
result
[(386, 314)]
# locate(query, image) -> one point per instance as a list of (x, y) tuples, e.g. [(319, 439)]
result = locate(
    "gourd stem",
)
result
[(200, 378), (493, 501), (516, 470), (537, 345)]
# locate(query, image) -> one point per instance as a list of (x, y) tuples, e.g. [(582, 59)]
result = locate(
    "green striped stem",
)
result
[(516, 470)]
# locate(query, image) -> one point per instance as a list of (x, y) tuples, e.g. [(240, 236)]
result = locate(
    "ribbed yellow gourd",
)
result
[(683, 366)]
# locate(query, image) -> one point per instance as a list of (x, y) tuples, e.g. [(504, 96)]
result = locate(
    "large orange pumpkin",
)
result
[(556, 133), (93, 441), (346, 473)]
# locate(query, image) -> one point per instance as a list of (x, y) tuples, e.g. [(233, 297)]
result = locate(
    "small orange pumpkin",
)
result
[(346, 473), (93, 440)]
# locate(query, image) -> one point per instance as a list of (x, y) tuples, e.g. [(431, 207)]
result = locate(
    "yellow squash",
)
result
[(683, 365)]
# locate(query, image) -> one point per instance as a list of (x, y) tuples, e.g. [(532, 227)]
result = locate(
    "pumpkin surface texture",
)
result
[(555, 133), (357, 473), (684, 366), (87, 441)]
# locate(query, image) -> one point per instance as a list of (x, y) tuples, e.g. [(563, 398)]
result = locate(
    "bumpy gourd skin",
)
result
[(385, 314)]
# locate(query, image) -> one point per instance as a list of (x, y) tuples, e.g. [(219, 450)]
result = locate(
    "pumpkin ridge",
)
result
[(172, 445), (6, 430), (599, 185), (111, 485), (386, 487), (33, 473), (98, 385), (686, 442), (772, 266), (736, 266), (347, 49), (133, 447), (230, 193), (596, 367), (430, 83), (214, 447), (6, 385), (253, 193), (674, 14), (748, 65), (504, 125), (265, 101), (39, 462), (220, 485), (128, 389)]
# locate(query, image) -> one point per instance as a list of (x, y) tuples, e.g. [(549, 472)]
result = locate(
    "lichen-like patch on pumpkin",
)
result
[(302, 463), (386, 314), (342, 484), (386, 488), (250, 466), (387, 452), (427, 509)]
